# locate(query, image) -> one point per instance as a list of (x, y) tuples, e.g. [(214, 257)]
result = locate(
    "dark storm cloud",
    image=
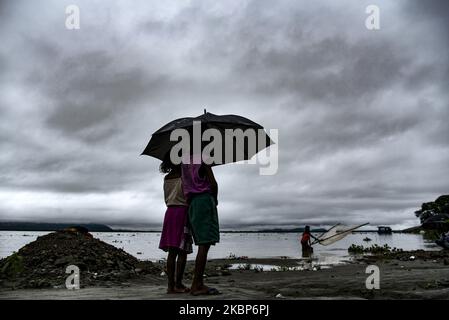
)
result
[(361, 114), (434, 11)]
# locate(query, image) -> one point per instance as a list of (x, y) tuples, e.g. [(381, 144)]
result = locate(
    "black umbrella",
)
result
[(160, 143)]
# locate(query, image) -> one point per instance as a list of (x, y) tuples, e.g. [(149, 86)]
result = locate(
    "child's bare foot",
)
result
[(178, 289), (182, 288), (204, 290)]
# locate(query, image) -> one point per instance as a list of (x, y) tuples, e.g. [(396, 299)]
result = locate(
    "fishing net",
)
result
[(336, 233)]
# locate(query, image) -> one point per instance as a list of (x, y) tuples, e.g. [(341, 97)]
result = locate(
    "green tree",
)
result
[(429, 209)]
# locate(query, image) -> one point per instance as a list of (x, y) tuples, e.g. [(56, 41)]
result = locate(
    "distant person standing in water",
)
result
[(175, 236), (307, 249), (201, 190)]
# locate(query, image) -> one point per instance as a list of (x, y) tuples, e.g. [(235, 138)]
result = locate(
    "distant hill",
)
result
[(416, 229), (32, 226), (94, 227), (294, 230)]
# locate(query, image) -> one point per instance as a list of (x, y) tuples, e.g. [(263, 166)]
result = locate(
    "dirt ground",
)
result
[(424, 277)]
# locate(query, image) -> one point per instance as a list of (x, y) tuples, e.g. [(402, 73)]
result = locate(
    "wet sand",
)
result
[(417, 279)]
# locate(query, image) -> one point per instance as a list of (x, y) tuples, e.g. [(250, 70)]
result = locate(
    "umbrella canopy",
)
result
[(160, 143)]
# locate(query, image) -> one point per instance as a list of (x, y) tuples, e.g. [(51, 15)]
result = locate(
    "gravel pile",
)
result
[(42, 263)]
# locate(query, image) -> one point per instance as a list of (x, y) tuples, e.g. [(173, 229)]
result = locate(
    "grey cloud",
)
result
[(361, 116), (435, 11)]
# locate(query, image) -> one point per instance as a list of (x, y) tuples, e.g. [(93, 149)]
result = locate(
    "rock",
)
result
[(63, 261), (42, 284)]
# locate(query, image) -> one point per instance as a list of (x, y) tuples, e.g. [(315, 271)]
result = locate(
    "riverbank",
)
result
[(408, 275)]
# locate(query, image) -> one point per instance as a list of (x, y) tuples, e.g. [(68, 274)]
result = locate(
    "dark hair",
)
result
[(166, 165), (307, 229)]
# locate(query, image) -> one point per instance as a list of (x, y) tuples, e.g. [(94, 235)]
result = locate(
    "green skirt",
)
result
[(203, 219)]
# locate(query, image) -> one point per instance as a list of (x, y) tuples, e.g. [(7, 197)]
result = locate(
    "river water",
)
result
[(253, 245)]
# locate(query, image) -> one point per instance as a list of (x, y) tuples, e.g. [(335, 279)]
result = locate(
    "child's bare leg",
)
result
[(180, 267), (171, 265), (200, 266)]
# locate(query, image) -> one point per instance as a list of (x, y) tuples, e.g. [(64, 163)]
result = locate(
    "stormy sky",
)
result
[(362, 115)]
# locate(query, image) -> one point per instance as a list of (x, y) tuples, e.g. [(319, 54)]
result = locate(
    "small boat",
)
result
[(367, 239), (384, 230)]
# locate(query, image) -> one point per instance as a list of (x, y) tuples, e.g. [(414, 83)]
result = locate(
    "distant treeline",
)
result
[(34, 226), (94, 227), (294, 230)]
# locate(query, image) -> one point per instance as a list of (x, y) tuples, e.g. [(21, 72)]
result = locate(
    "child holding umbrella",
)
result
[(200, 189)]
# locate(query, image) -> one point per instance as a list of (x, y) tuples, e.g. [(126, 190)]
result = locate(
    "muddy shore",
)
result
[(409, 275)]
